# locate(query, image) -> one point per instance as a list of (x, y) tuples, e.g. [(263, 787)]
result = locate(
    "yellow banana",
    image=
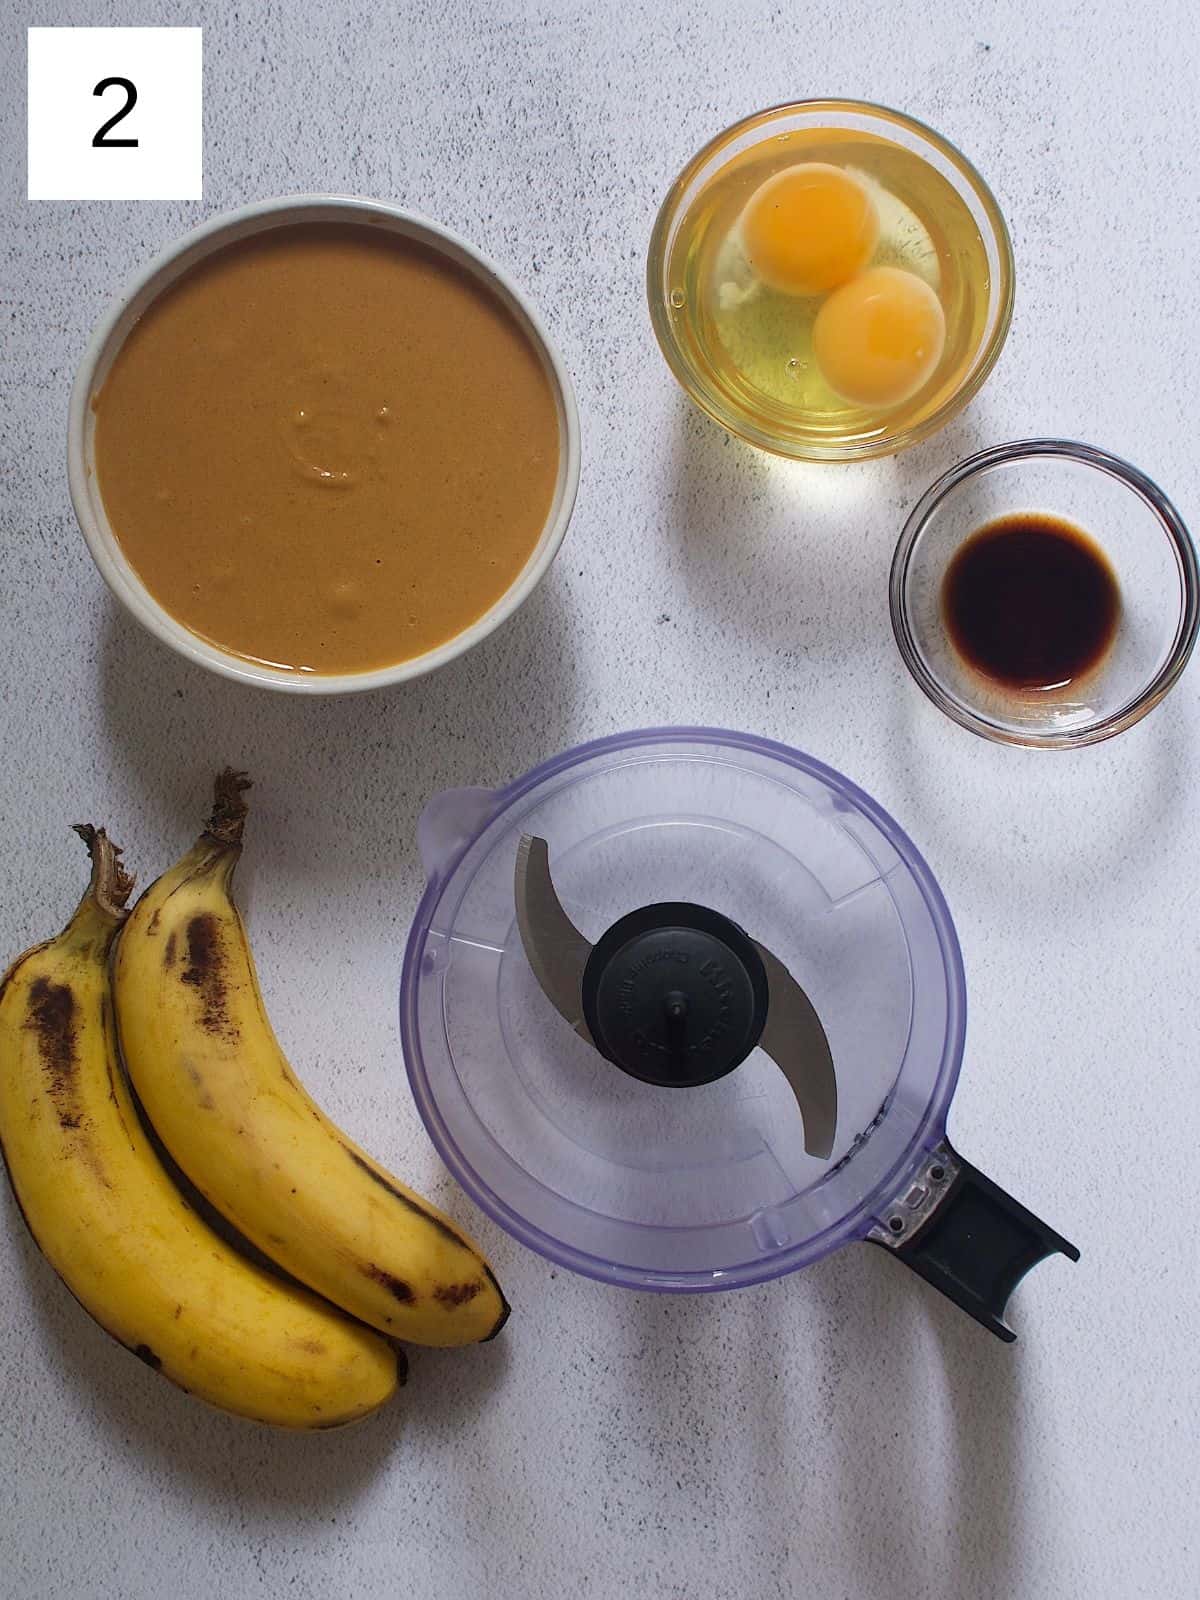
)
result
[(219, 1091), (116, 1229)]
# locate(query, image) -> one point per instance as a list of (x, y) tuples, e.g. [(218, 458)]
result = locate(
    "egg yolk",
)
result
[(809, 228), (879, 338)]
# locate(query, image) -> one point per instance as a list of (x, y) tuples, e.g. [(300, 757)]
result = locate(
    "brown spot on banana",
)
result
[(395, 1286), (177, 1313), (203, 1099), (312, 1347), (169, 951), (144, 1353), (205, 972), (51, 1017), (452, 1295)]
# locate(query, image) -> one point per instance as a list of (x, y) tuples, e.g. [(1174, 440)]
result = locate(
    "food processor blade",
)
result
[(790, 1033), (795, 1040), (554, 947)]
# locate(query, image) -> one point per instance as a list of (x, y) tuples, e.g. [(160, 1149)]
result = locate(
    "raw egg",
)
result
[(809, 228), (878, 338)]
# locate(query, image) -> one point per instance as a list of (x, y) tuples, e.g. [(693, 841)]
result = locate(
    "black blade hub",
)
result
[(675, 994)]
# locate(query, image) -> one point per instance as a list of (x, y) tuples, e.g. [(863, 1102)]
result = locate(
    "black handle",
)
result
[(968, 1238)]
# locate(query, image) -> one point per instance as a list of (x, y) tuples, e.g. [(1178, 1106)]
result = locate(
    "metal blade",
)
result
[(554, 946), (796, 1042)]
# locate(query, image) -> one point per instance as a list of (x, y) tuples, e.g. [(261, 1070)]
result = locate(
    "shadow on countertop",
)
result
[(270, 1472), (989, 807), (319, 761), (725, 503), (959, 1389), (166, 1431), (850, 1421)]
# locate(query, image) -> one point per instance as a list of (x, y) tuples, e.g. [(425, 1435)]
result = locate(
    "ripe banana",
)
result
[(221, 1095), (113, 1225)]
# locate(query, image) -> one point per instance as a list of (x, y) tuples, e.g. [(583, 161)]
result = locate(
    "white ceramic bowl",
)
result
[(114, 328)]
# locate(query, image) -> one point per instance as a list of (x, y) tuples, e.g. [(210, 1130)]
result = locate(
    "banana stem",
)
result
[(111, 885), (229, 809)]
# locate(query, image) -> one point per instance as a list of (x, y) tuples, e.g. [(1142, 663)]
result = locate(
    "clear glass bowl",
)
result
[(1135, 526), (703, 385)]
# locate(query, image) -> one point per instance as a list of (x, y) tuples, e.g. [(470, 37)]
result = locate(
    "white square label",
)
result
[(115, 114)]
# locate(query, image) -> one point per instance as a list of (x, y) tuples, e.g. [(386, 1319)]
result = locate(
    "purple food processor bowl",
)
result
[(708, 1188)]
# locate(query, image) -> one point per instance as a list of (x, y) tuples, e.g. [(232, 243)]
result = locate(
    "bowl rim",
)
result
[(162, 269), (1169, 520), (872, 449)]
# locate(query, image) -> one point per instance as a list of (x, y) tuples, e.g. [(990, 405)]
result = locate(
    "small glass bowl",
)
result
[(702, 384), (1138, 530)]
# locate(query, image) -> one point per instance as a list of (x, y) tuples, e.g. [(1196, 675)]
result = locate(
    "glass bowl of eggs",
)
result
[(830, 280)]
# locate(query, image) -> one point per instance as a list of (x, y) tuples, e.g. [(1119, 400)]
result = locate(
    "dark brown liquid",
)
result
[(1031, 602)]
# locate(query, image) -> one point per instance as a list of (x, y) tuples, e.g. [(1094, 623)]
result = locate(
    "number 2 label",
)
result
[(100, 138), (115, 113)]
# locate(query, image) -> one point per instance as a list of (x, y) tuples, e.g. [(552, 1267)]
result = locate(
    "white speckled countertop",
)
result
[(843, 1432)]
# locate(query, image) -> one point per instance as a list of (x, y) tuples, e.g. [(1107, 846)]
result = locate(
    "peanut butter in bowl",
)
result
[(330, 448)]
